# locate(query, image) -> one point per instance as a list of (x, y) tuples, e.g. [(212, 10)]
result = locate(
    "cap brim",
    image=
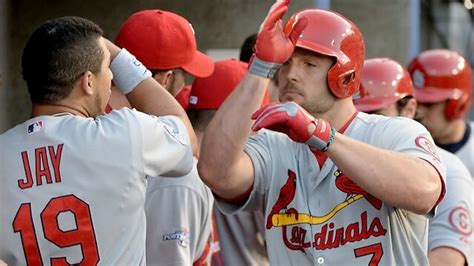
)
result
[(201, 66), (433, 95), (373, 104)]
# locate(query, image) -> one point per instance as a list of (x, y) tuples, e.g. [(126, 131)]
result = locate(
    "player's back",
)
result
[(73, 188), (466, 152)]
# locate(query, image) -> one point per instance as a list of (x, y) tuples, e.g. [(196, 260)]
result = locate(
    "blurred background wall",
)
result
[(397, 29)]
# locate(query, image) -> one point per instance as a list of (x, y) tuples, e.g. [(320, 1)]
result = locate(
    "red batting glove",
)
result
[(274, 46), (291, 119)]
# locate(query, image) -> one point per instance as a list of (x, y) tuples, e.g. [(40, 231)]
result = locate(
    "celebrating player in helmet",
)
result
[(442, 80), (73, 180), (350, 176), (387, 89)]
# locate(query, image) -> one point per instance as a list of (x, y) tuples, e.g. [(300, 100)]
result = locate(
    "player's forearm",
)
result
[(399, 180), (151, 98), (225, 137), (148, 95), (446, 256)]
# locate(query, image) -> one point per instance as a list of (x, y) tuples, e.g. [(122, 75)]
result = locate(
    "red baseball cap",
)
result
[(163, 40), (210, 92)]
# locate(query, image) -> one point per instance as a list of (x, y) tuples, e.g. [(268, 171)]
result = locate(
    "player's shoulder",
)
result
[(271, 137), (380, 122), (38, 125), (190, 183), (123, 113), (374, 119), (455, 168)]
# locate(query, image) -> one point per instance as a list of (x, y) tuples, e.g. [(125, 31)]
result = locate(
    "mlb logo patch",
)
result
[(35, 127)]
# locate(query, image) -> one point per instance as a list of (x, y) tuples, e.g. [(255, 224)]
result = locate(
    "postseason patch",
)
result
[(172, 130), (181, 236)]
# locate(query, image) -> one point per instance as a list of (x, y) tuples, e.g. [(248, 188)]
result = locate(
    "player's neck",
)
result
[(339, 114), (454, 133), (56, 108)]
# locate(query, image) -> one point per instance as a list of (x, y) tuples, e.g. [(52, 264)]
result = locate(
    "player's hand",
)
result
[(274, 46), (292, 120), (113, 49)]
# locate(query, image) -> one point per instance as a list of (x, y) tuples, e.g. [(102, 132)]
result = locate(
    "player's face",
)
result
[(103, 81), (303, 79), (432, 117)]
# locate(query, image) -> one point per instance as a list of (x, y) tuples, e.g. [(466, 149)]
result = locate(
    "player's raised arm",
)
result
[(143, 92), (223, 165)]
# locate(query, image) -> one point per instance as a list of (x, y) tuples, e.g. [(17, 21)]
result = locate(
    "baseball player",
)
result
[(442, 80), (241, 236), (73, 180), (334, 197), (178, 210), (386, 89)]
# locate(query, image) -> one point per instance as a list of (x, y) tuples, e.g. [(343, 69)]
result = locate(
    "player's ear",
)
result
[(87, 83), (410, 109), (164, 78)]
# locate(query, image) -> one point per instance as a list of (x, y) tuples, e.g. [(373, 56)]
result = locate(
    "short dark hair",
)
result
[(57, 54), (402, 103), (246, 50)]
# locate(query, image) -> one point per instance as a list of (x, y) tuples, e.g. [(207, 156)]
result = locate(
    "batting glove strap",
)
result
[(322, 136), (263, 68), (128, 71)]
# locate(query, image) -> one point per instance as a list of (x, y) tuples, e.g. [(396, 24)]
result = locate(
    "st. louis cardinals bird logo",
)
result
[(287, 193), (344, 184)]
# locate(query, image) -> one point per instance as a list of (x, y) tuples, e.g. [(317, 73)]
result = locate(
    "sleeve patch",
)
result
[(460, 219), (172, 131), (181, 236), (426, 145)]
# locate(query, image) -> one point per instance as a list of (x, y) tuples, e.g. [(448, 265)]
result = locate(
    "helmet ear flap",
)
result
[(457, 108), (345, 84)]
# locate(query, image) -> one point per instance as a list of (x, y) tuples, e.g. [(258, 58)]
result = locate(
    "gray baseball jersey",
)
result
[(241, 238), (319, 216), (452, 225), (179, 220), (73, 188), (466, 153)]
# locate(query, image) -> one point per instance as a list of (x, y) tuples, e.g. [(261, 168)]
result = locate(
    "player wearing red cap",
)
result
[(442, 80), (241, 236), (345, 196), (178, 211), (386, 88), (166, 44)]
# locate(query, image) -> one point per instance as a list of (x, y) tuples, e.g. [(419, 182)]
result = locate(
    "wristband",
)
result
[(320, 144), (128, 71), (330, 140), (262, 68)]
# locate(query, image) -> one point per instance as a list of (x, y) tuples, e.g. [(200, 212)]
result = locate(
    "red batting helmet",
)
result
[(331, 34), (384, 81), (440, 75)]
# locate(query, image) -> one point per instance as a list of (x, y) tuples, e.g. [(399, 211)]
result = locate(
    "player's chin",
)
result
[(292, 97)]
